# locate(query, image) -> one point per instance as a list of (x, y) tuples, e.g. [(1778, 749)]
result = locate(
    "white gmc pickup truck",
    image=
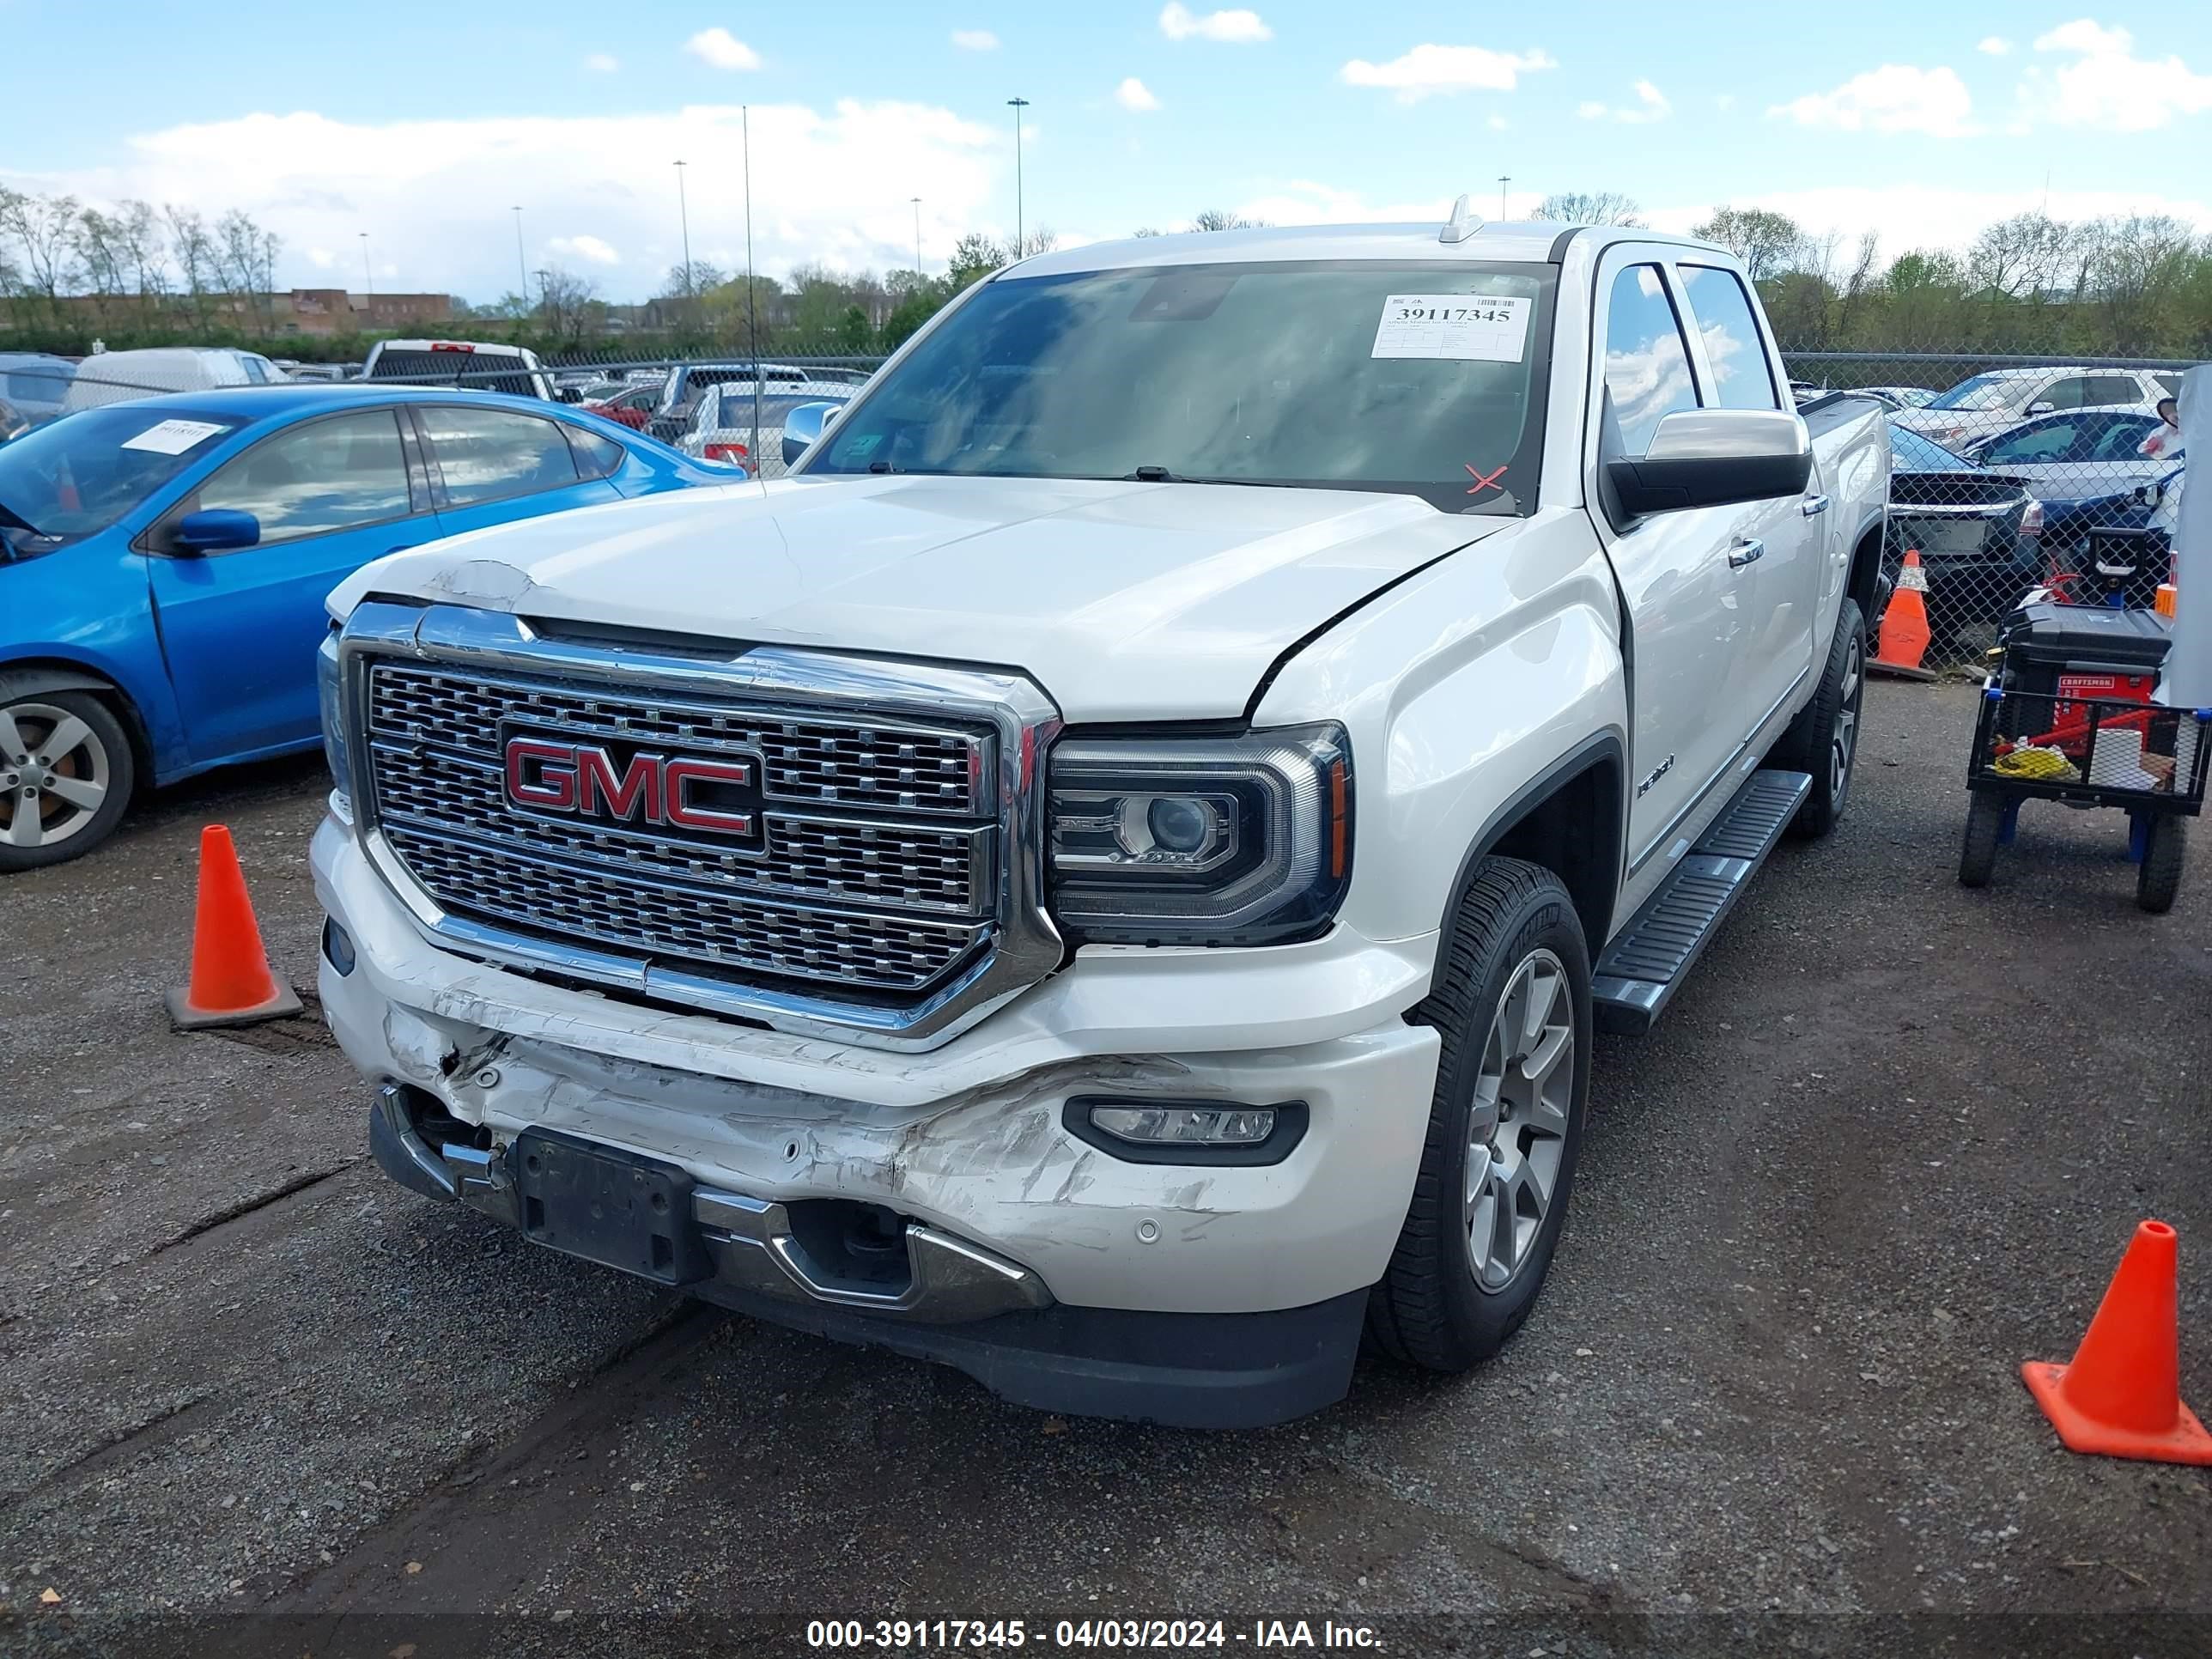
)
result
[(1109, 877)]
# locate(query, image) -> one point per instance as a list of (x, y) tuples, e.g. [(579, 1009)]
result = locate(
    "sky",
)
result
[(410, 132)]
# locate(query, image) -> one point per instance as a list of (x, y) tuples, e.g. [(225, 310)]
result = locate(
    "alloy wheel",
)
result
[(54, 774), (1845, 732), (1517, 1124)]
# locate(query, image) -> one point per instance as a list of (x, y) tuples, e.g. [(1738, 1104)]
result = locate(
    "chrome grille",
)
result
[(876, 872), (886, 764)]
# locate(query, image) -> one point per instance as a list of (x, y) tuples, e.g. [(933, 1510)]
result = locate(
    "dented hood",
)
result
[(1124, 601)]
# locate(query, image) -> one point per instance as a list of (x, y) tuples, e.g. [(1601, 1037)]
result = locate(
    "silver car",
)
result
[(723, 430)]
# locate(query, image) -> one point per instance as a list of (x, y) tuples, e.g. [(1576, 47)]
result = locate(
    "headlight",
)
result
[(1200, 840), (326, 695)]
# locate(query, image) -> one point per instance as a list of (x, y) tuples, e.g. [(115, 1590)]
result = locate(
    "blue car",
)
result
[(163, 566)]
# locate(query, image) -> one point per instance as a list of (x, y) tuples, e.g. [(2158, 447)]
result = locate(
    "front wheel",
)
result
[(2166, 842), (65, 777), (1512, 1007)]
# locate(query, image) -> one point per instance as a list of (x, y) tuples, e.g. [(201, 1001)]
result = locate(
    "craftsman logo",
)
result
[(710, 798)]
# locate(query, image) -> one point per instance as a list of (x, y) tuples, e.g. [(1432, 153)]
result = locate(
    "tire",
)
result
[(2166, 841), (1516, 950), (1824, 739), (93, 763), (1978, 855)]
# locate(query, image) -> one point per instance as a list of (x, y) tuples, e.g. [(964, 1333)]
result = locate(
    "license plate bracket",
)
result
[(608, 1205)]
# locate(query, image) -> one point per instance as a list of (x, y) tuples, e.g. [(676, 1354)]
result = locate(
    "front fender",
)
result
[(1463, 689)]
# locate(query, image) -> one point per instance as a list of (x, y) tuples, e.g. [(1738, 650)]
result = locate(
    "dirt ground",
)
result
[(1888, 1145)]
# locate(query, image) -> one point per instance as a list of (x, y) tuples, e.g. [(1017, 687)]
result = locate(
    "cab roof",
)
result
[(1517, 242)]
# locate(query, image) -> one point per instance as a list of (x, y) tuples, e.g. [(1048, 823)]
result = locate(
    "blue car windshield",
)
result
[(74, 478), (1910, 453)]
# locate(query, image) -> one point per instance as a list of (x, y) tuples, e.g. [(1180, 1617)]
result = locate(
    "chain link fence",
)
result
[(2009, 472)]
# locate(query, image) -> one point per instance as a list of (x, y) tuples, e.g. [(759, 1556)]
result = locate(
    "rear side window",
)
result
[(489, 455), (2065, 394), (2053, 440), (1733, 344), (596, 455), (1647, 367), (316, 479), (2106, 389)]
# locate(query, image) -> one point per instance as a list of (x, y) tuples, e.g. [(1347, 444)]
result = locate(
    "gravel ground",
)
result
[(1888, 1145)]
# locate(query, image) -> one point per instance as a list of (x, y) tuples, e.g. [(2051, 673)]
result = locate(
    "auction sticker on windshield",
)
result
[(1483, 328), (172, 437)]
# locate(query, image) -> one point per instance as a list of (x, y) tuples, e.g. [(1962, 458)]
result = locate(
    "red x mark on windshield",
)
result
[(1483, 480)]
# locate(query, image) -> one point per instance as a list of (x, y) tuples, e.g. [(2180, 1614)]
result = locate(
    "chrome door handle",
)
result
[(1813, 506), (1749, 550)]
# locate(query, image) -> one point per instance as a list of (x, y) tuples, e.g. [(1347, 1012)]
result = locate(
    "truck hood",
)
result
[(1124, 601)]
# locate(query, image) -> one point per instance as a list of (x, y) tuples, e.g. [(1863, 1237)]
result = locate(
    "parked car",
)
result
[(1979, 533), (473, 365), (119, 377), (682, 386), (13, 423), (1899, 397), (2078, 455), (1109, 876), (163, 565), (722, 428), (37, 383), (1989, 403), (630, 402)]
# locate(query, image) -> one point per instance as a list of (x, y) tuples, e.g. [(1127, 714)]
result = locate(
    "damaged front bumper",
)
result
[(939, 1204)]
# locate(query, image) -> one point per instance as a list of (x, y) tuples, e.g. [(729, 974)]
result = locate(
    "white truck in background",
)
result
[(1110, 875)]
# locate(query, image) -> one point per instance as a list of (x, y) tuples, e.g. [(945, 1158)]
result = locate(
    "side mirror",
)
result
[(1712, 457), (2043, 406), (804, 425), (216, 530)]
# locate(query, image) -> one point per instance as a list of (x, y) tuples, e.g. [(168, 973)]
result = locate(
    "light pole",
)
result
[(521, 265), (368, 280), (1503, 179), (1017, 105), (683, 218), (917, 235)]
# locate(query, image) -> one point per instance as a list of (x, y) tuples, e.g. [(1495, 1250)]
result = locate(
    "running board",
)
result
[(1639, 973)]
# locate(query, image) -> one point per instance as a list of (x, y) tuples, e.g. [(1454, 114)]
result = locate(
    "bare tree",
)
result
[(568, 305), (1223, 219), (192, 250), (1767, 242), (2022, 257), (245, 258), (1603, 207), (699, 277), (42, 230)]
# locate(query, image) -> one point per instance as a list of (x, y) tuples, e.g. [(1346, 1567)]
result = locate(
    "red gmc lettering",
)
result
[(598, 789), (554, 786), (678, 805)]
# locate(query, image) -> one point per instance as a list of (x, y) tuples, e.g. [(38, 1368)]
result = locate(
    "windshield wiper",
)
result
[(1161, 474)]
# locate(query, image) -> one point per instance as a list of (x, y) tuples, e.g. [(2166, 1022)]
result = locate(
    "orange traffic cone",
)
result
[(1905, 632), (2121, 1397), (231, 981)]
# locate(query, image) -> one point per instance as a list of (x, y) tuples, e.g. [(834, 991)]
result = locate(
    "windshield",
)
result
[(1911, 453), (1982, 391), (76, 477), (1417, 378)]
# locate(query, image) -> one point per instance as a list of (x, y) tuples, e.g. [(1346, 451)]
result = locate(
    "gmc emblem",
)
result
[(684, 792)]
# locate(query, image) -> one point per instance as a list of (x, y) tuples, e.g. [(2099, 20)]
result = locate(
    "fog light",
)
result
[(1202, 1126), (1188, 1131), (337, 947)]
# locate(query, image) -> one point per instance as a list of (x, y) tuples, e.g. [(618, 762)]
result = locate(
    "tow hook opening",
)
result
[(851, 1245), (428, 1116)]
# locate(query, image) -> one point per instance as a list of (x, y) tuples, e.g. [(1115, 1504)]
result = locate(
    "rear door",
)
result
[(1780, 583), (1689, 611), (491, 466), (239, 629)]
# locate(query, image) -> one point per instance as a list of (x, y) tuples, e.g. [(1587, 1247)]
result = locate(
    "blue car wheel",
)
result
[(66, 774)]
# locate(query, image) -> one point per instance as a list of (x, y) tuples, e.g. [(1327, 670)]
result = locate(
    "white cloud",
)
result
[(1179, 23), (601, 63), (1427, 70), (2107, 86), (321, 258), (1995, 45), (589, 249), (974, 39), (1132, 94), (722, 49), (1650, 105), (1895, 98), (421, 187)]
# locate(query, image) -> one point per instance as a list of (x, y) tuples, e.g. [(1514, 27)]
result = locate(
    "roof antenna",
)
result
[(1463, 223)]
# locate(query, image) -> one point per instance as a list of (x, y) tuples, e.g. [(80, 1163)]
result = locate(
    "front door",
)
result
[(239, 629), (1690, 613)]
